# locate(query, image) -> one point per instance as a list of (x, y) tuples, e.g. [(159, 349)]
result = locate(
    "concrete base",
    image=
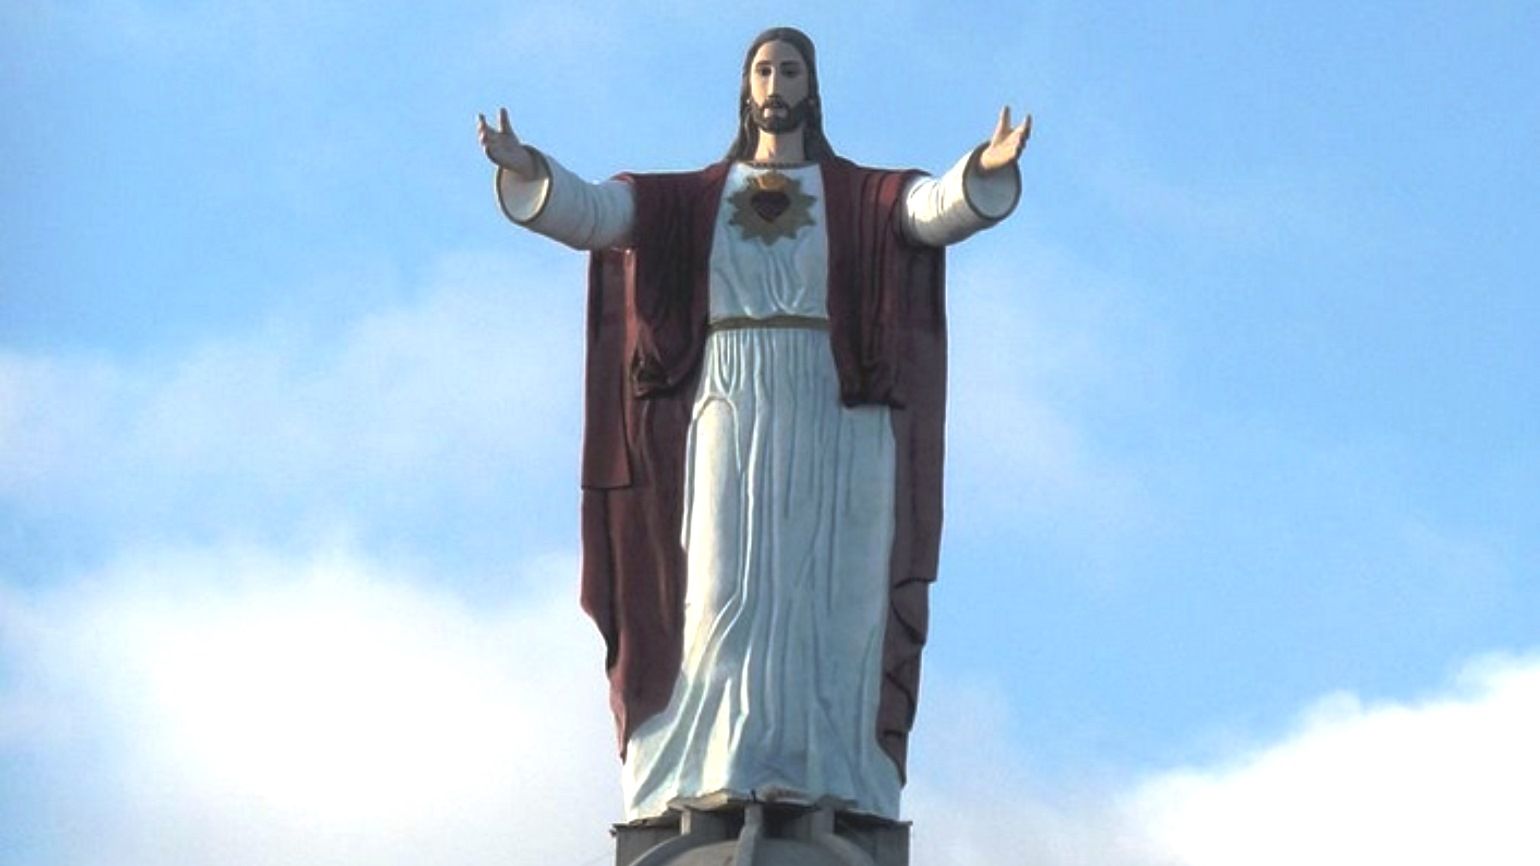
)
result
[(762, 834)]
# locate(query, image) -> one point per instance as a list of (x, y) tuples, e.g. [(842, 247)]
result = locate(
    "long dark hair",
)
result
[(814, 145)]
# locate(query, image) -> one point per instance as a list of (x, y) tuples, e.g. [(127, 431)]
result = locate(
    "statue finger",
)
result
[(1003, 124), (502, 117)]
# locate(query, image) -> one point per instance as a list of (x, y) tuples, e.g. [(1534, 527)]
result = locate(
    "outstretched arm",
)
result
[(536, 192), (979, 191)]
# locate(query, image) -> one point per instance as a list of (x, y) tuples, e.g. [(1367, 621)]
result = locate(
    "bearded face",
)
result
[(778, 87)]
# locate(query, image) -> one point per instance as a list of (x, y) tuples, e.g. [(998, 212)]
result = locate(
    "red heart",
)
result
[(769, 204)]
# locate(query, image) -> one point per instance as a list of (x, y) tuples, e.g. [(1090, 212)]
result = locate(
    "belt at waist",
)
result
[(738, 323)]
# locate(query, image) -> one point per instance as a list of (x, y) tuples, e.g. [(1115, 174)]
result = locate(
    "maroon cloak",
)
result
[(647, 310)]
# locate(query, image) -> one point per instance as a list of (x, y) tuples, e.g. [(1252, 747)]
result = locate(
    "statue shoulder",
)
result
[(662, 198), (866, 186), (840, 168), (706, 174), (677, 185)]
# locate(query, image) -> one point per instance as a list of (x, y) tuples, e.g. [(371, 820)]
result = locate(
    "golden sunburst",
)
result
[(771, 206)]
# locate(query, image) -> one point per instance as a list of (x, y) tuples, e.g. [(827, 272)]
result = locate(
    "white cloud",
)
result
[(238, 708), (1448, 779), (463, 388), (973, 795)]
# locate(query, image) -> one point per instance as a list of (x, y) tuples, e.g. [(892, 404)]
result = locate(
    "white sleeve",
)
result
[(564, 207), (945, 210)]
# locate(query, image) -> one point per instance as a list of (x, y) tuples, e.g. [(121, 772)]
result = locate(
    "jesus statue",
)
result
[(762, 443)]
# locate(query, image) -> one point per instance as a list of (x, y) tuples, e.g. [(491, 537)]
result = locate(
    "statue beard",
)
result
[(795, 115)]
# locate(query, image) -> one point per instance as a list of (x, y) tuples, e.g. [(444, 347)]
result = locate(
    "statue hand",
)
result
[(503, 147), (1005, 144)]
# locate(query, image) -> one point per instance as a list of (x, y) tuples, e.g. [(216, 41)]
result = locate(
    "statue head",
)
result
[(783, 111)]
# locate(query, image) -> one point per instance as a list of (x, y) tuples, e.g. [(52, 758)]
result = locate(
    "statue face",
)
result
[(778, 86)]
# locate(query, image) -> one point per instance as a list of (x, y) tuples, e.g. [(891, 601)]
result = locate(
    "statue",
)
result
[(761, 468)]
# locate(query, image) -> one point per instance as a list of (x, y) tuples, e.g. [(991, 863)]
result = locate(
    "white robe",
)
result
[(788, 521)]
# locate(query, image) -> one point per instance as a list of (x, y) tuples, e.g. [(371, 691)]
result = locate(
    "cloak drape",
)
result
[(646, 328)]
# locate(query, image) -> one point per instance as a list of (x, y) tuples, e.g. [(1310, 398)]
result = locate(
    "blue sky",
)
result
[(1243, 532)]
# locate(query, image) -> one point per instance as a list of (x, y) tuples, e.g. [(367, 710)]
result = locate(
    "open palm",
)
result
[(1006, 142), (502, 145)]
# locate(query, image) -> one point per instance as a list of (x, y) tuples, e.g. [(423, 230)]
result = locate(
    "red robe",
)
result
[(647, 311)]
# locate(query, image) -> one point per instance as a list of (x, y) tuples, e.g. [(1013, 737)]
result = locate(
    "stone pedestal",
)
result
[(762, 834)]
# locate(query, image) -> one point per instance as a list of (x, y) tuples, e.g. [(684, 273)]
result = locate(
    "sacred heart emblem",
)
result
[(771, 206)]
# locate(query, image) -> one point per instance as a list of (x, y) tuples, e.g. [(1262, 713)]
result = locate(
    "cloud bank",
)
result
[(1447, 779), (237, 708), (1450, 779), (234, 707)]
